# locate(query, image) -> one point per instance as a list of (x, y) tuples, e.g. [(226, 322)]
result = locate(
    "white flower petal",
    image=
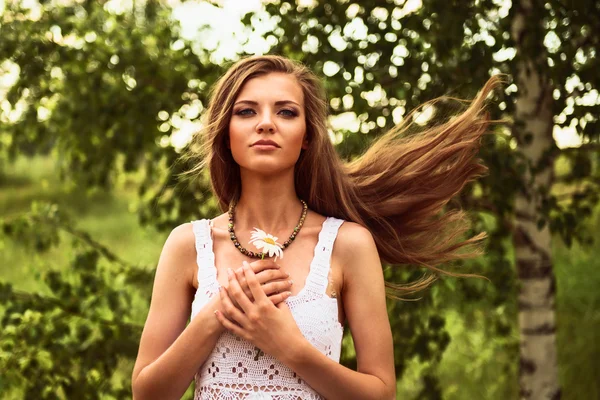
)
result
[(258, 234), (279, 254)]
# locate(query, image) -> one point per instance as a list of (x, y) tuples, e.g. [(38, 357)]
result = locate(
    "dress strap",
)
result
[(205, 257), (318, 277)]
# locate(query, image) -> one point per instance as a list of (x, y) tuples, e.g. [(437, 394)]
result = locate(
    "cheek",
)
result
[(236, 141), (236, 148)]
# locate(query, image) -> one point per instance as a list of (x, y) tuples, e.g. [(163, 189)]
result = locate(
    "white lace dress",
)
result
[(231, 371)]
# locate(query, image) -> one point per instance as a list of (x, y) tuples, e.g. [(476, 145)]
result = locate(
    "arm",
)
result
[(169, 353), (274, 331), (363, 296)]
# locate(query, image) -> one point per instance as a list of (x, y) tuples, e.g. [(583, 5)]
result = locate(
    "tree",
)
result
[(97, 84), (533, 131)]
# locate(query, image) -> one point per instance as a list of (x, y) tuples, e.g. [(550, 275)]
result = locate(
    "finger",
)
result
[(230, 326), (271, 275), (279, 297), (236, 292), (230, 310), (262, 265), (239, 274), (254, 285), (277, 287), (283, 306)]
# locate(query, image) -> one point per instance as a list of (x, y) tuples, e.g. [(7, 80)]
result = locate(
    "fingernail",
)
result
[(291, 282), (216, 312), (288, 294), (239, 270), (287, 274), (245, 264)]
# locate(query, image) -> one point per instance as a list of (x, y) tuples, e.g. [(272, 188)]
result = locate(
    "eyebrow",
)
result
[(277, 103)]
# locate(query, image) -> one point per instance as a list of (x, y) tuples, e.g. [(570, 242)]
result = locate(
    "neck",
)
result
[(268, 203)]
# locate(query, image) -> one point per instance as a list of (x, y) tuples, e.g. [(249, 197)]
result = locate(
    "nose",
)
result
[(265, 125)]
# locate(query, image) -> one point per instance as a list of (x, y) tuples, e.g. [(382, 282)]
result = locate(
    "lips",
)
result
[(265, 143)]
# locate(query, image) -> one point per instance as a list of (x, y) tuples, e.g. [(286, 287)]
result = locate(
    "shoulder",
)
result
[(356, 253), (182, 239), (355, 249), (354, 239), (179, 250)]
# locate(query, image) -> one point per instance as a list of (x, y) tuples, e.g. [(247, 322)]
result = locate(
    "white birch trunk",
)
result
[(538, 374)]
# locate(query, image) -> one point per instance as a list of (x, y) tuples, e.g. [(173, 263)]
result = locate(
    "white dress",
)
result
[(231, 371)]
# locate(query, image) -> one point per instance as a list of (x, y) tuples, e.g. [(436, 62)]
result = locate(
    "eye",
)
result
[(244, 111), (288, 113)]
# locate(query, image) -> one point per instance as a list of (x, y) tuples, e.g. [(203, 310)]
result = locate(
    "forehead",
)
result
[(275, 86)]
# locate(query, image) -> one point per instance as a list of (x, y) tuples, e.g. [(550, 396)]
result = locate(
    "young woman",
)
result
[(265, 327)]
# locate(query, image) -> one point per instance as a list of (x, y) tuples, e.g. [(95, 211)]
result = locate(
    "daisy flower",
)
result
[(266, 243)]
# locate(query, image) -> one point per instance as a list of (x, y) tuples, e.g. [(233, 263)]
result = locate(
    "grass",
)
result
[(578, 316), (475, 366), (108, 217)]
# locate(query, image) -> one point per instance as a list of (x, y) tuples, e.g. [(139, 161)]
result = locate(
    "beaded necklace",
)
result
[(254, 254)]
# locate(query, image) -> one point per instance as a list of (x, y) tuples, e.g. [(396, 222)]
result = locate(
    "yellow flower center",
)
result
[(269, 241)]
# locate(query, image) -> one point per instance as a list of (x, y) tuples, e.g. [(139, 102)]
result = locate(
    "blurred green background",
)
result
[(98, 99)]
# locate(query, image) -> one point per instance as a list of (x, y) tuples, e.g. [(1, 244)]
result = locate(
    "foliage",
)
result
[(73, 339), (96, 84)]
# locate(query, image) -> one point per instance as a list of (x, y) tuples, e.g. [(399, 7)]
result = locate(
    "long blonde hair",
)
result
[(398, 188)]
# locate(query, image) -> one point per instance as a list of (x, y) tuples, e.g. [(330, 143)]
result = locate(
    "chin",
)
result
[(267, 167)]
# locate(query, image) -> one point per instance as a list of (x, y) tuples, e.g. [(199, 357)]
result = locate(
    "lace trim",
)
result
[(249, 392), (207, 277)]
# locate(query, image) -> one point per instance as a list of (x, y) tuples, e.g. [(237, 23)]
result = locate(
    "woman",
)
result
[(267, 327)]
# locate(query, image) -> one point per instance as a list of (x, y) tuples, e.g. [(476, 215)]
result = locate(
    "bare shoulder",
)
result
[(356, 253), (179, 252), (182, 240), (356, 257), (354, 240)]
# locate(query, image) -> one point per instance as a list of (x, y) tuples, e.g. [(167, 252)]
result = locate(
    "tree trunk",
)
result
[(538, 374)]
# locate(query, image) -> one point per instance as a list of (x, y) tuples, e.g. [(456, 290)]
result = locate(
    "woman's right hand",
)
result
[(274, 281)]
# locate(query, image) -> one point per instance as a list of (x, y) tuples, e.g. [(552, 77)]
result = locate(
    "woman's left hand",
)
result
[(270, 328)]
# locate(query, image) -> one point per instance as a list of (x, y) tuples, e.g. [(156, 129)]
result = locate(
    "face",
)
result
[(267, 130)]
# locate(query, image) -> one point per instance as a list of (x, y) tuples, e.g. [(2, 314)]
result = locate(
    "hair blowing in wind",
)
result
[(398, 189)]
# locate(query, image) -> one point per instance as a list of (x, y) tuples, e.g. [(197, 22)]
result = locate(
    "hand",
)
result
[(272, 279), (271, 328)]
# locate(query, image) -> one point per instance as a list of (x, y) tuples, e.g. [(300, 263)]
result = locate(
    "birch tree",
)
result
[(533, 126)]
